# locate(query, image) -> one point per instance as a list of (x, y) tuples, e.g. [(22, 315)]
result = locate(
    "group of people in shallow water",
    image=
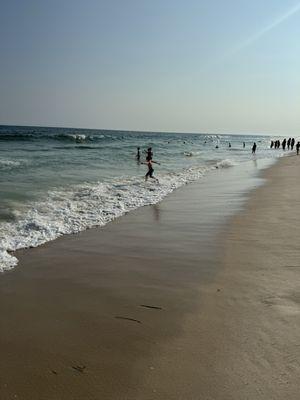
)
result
[(289, 144), (244, 145), (149, 161)]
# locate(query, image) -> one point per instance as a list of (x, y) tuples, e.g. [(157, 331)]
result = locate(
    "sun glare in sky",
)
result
[(269, 27)]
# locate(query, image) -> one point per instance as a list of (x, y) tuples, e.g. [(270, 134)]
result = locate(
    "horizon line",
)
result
[(142, 131)]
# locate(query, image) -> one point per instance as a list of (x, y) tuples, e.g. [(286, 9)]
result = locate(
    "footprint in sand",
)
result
[(153, 307), (79, 368), (128, 319)]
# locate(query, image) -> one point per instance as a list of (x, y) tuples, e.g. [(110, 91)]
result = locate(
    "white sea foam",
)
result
[(67, 211), (9, 163), (227, 163)]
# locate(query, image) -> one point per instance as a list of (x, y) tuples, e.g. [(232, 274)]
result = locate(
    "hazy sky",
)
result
[(163, 65)]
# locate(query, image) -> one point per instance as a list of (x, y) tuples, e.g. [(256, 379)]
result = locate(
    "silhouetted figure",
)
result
[(292, 143), (244, 144), (149, 154), (254, 148), (289, 143), (229, 144), (298, 148), (149, 174), (283, 144), (138, 155), (272, 144)]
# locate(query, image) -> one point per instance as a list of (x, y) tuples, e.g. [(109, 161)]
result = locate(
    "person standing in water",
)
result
[(292, 143), (298, 148), (254, 148), (138, 155), (149, 174), (149, 154), (283, 144)]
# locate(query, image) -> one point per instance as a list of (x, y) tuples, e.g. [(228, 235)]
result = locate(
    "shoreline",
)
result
[(112, 313), (54, 231)]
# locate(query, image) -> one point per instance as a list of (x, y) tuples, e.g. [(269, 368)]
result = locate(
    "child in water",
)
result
[(149, 174)]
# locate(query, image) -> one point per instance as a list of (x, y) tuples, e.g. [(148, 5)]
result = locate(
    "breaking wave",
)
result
[(67, 137), (77, 208)]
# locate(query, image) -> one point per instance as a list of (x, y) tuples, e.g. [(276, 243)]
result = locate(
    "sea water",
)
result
[(58, 181)]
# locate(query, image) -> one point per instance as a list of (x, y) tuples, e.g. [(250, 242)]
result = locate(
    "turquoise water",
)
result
[(57, 181)]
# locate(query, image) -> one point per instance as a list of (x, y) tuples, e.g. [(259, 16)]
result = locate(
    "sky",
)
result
[(162, 65)]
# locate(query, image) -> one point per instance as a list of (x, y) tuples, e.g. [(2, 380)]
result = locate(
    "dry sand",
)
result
[(225, 322)]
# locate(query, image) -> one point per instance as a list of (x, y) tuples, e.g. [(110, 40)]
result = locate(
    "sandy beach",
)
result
[(193, 298)]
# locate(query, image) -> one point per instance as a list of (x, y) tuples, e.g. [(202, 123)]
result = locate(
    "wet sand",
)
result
[(159, 304), (242, 342), (257, 312)]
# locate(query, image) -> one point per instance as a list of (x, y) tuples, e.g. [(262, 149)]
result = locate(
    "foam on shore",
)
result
[(77, 208)]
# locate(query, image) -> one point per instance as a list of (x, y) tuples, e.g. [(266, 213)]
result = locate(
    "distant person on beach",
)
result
[(244, 144), (298, 148), (289, 143), (292, 143), (229, 145), (283, 144), (138, 154), (272, 144), (254, 148), (149, 174)]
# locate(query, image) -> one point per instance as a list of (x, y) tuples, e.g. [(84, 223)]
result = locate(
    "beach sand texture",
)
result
[(154, 307)]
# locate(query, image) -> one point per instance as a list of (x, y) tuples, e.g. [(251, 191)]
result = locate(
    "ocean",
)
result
[(58, 181)]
